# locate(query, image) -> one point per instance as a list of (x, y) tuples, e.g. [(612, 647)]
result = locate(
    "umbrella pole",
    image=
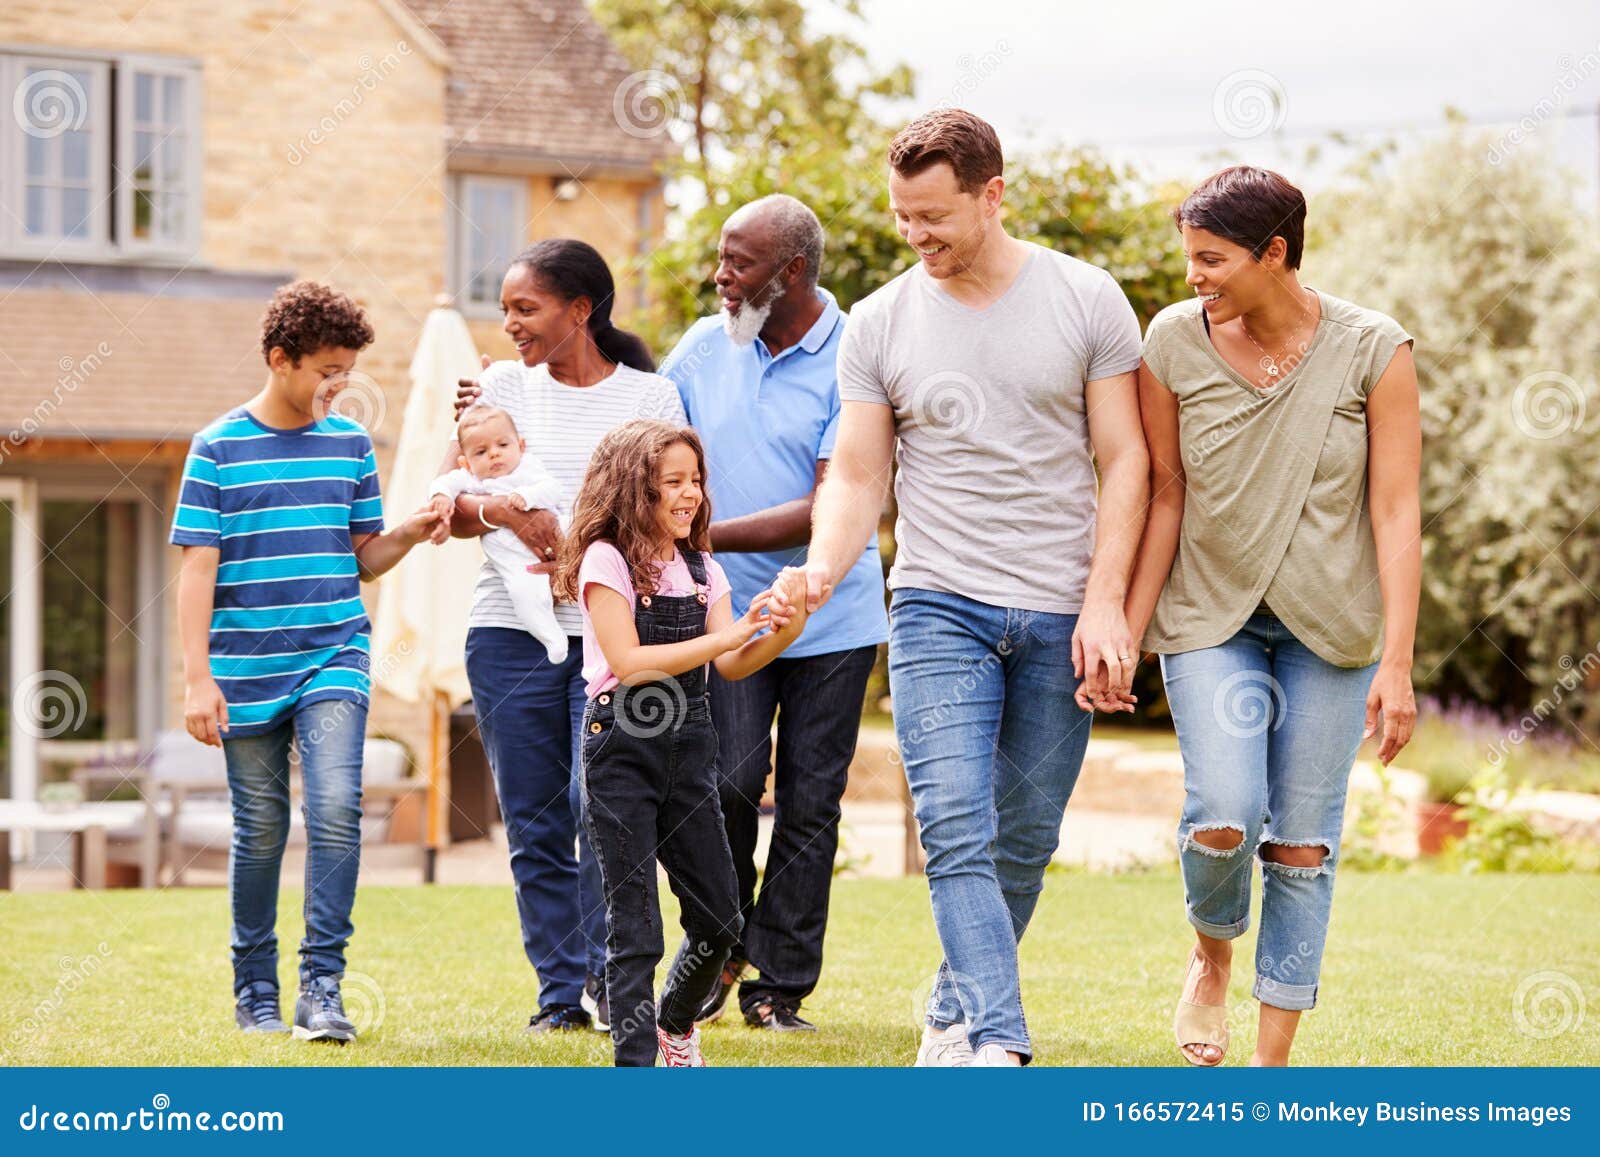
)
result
[(438, 781)]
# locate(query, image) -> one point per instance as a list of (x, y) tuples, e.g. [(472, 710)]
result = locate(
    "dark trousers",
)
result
[(817, 701), (650, 792), (529, 711)]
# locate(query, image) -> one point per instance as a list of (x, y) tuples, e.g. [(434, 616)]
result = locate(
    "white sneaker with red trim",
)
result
[(680, 1052)]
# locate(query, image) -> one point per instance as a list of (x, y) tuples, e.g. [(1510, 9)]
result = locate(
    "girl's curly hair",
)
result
[(306, 316), (617, 504)]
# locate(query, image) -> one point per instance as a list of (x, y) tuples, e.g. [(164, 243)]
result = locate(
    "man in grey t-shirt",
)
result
[(1005, 371)]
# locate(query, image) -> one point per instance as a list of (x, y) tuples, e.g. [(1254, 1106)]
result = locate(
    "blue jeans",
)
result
[(1268, 731), (330, 734), (530, 718), (993, 742)]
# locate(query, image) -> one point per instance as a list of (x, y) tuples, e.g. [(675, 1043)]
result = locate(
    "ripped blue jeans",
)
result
[(1269, 731)]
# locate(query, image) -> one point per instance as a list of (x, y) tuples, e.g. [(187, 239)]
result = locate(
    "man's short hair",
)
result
[(968, 144), (795, 228)]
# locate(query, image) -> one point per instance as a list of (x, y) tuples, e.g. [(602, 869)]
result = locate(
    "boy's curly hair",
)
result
[(306, 316), (617, 504)]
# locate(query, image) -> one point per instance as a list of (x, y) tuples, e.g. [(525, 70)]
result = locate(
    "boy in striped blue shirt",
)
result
[(280, 521)]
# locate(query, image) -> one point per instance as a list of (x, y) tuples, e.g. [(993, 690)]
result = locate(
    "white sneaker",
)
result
[(680, 1052), (945, 1048), (992, 1056)]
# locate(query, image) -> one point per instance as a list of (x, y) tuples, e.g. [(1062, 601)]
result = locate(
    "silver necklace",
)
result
[(1268, 362)]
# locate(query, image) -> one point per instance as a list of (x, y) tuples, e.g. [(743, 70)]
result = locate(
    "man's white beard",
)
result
[(745, 326)]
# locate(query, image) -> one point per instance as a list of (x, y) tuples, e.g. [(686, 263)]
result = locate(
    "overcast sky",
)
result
[(1150, 80)]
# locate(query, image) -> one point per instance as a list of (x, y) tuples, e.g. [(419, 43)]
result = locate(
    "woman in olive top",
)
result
[(1278, 581)]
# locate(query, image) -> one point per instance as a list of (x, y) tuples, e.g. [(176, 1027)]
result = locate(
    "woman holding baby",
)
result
[(578, 377)]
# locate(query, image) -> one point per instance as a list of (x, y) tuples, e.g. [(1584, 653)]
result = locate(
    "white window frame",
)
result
[(111, 219), (460, 249), (193, 186), (14, 154)]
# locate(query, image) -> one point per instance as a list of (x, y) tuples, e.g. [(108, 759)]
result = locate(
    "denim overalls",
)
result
[(650, 791)]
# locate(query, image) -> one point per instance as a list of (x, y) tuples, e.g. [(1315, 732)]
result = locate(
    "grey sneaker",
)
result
[(256, 1009), (319, 1013), (595, 1004)]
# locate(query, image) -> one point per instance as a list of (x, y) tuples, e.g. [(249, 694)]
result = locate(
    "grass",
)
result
[(1422, 969)]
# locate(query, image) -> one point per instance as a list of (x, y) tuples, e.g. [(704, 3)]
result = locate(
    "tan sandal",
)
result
[(1200, 1024)]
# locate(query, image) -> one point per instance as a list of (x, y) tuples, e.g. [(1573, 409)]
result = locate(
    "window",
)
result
[(489, 229), (100, 158)]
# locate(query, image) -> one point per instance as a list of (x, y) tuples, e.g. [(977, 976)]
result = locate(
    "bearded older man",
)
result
[(758, 382)]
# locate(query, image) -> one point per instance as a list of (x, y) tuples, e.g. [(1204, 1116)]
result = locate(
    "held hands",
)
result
[(1104, 656), (444, 506), (424, 524), (205, 712)]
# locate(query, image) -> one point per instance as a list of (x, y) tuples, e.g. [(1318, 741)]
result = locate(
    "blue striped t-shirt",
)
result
[(287, 625)]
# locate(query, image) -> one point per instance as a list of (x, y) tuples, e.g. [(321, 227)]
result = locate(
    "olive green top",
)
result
[(1275, 502)]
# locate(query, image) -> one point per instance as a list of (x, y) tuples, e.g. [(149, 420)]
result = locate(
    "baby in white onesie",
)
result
[(493, 462)]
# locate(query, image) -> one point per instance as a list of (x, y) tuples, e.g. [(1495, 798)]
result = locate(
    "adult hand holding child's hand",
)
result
[(442, 505)]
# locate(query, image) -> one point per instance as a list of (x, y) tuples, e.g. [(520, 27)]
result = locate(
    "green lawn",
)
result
[(1422, 969)]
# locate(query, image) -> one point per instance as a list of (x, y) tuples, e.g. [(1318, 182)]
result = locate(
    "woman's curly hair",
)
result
[(306, 316), (617, 504)]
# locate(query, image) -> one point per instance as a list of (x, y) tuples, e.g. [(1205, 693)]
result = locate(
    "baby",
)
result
[(493, 462)]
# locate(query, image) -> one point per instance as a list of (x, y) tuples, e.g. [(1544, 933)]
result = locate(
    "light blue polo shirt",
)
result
[(766, 421)]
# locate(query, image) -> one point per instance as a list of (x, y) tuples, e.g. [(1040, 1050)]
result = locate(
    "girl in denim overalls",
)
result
[(656, 610)]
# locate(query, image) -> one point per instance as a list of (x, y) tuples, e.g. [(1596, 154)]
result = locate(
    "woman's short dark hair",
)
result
[(573, 269), (968, 144), (1248, 206)]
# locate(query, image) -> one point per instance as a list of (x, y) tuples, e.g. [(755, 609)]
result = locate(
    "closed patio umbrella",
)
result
[(420, 629)]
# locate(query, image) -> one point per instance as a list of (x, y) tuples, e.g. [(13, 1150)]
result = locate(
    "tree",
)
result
[(1492, 267)]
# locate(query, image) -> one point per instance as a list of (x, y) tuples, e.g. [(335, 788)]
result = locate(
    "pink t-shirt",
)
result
[(604, 564)]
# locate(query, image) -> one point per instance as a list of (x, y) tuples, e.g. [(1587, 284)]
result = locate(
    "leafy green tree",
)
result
[(1486, 259)]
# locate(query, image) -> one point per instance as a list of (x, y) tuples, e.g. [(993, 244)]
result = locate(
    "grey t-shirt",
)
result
[(996, 482)]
